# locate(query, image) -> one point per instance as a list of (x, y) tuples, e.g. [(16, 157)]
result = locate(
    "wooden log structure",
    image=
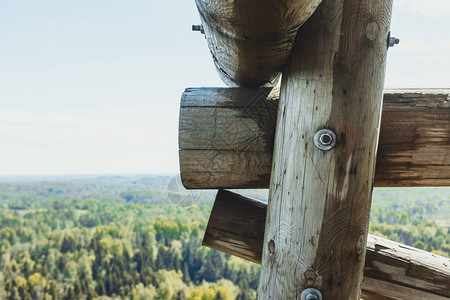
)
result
[(392, 270), (250, 40), (323, 150), (320, 195), (226, 138)]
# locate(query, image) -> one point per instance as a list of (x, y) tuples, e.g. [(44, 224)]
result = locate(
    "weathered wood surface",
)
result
[(221, 141), (418, 153), (396, 271), (319, 202), (250, 40), (226, 137), (392, 270), (236, 226)]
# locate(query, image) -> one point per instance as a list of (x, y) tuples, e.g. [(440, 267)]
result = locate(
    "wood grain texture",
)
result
[(398, 271), (236, 226), (392, 270), (209, 169), (418, 153), (223, 130), (226, 137), (250, 40), (319, 202)]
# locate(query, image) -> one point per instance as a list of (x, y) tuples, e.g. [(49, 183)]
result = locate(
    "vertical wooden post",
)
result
[(319, 201)]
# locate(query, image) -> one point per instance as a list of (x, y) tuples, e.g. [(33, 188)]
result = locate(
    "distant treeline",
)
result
[(134, 245), (90, 249), (418, 217)]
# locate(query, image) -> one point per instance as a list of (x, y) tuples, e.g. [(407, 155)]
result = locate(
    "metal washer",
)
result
[(319, 144), (311, 294)]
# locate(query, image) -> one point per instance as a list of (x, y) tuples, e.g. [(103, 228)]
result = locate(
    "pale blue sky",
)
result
[(93, 86)]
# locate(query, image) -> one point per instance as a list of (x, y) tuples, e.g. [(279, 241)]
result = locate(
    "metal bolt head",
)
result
[(311, 294), (392, 41), (198, 28), (325, 139)]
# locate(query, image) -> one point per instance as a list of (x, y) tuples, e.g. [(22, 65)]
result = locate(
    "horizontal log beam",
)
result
[(226, 138), (248, 48), (392, 270)]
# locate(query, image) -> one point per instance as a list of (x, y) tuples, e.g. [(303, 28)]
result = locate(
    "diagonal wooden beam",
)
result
[(226, 137), (392, 270)]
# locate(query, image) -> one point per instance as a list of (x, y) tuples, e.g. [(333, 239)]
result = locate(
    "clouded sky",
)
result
[(93, 86)]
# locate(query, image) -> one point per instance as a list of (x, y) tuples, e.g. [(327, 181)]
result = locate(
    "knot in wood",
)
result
[(372, 30), (312, 278), (360, 243), (271, 246)]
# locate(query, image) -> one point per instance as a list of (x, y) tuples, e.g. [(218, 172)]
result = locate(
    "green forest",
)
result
[(139, 237)]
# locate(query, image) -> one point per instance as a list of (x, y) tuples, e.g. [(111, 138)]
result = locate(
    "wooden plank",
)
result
[(226, 137), (319, 202), (392, 270), (250, 40)]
